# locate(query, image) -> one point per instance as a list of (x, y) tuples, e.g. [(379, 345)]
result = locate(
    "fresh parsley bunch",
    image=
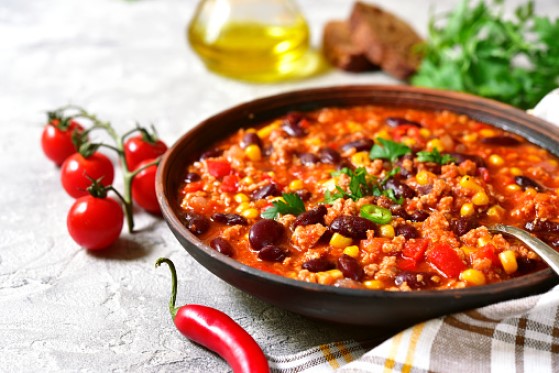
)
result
[(476, 49)]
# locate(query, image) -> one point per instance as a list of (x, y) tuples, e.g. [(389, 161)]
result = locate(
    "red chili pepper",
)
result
[(446, 260), (216, 331)]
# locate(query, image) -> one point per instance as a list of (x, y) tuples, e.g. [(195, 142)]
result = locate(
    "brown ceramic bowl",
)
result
[(343, 305)]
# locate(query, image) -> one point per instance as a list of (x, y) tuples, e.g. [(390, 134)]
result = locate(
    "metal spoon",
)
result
[(548, 254)]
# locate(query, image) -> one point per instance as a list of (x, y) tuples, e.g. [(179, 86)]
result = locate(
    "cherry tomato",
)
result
[(95, 223), (76, 171), (143, 188), (57, 141), (137, 149)]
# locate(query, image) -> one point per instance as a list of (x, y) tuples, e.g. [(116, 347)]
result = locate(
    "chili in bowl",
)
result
[(367, 204)]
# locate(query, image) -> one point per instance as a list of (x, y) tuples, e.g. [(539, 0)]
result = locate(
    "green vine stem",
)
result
[(128, 175)]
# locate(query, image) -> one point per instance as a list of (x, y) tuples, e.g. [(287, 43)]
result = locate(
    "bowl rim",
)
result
[(466, 100)]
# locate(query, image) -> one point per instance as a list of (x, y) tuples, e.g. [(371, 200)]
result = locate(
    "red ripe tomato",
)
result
[(143, 188), (137, 149), (95, 223), (76, 171), (57, 141)]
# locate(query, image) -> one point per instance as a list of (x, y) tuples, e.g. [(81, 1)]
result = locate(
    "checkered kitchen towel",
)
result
[(520, 335), (515, 336)]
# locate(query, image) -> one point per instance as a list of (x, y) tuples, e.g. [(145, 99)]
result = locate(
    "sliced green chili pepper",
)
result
[(376, 214)]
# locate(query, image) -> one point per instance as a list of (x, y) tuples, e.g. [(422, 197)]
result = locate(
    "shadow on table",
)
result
[(123, 249)]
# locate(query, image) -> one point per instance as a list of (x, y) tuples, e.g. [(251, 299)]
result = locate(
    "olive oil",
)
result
[(253, 51)]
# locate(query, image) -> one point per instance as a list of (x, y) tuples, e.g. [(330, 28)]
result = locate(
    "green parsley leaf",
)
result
[(293, 205), (434, 156), (389, 150)]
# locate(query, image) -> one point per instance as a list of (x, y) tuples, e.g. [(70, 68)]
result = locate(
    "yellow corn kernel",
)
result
[(373, 284), (360, 159), (513, 188), (473, 276), (482, 241), (424, 177), (480, 199), (329, 184), (467, 209), (409, 141), (250, 213), (425, 133), (253, 152), (339, 241), (386, 231), (247, 180), (241, 197), (383, 134), (279, 198), (496, 212), (435, 144), (515, 171), (328, 277), (296, 184), (242, 207), (469, 138), (508, 261), (352, 251), (531, 192), (313, 141), (468, 249), (487, 132), (469, 183), (354, 127), (266, 131), (496, 160)]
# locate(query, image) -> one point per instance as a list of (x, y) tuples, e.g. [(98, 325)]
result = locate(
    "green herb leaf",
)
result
[(434, 156), (389, 150), (293, 205)]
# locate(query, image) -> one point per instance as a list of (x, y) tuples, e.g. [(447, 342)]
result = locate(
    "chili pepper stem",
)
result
[(172, 308)]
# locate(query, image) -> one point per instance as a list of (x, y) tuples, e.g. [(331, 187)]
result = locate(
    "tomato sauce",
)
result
[(375, 197)]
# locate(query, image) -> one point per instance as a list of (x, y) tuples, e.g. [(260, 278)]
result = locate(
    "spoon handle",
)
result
[(549, 255)]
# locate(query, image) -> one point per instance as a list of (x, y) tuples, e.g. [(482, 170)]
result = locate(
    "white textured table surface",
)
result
[(62, 308)]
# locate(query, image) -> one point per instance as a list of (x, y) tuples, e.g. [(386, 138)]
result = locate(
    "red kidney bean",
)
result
[(501, 141), (312, 216), (414, 280), (318, 265), (352, 226), (359, 145), (461, 157), (350, 267), (251, 138), (408, 231), (397, 121), (552, 239), (273, 253), (539, 225), (212, 153), (222, 246), (418, 216), (526, 182), (292, 125), (196, 223), (461, 226), (265, 232), (400, 189), (329, 156), (308, 159), (398, 210), (191, 177), (266, 191), (304, 194), (229, 219)]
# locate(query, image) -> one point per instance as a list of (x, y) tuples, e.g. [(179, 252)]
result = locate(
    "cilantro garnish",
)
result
[(434, 156), (291, 204), (389, 150)]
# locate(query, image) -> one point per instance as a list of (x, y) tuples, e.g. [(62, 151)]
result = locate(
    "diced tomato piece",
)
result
[(219, 169), (230, 183), (486, 252), (446, 260), (412, 253), (405, 130), (194, 186), (484, 173)]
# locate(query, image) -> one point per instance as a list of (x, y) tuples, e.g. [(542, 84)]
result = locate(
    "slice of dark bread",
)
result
[(340, 51), (387, 40)]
